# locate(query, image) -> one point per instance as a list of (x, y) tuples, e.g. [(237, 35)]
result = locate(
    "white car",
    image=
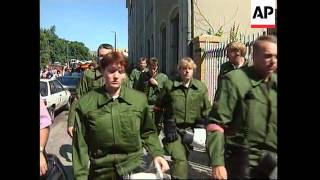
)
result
[(54, 95)]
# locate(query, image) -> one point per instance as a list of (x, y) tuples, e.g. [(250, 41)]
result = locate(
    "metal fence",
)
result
[(215, 54)]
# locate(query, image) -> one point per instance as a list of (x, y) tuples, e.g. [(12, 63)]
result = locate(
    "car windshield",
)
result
[(43, 89), (69, 81)]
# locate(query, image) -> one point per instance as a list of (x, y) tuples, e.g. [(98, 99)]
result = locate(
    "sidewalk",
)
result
[(59, 142)]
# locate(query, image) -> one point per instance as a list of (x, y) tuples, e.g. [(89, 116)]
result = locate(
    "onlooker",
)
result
[(58, 73), (45, 122), (67, 72)]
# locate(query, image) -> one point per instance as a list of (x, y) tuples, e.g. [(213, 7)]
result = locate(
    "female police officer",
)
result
[(111, 124)]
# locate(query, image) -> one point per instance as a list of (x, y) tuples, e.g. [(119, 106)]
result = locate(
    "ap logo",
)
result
[(263, 13)]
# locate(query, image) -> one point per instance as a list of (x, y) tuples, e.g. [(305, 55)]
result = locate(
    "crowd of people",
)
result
[(118, 113), (51, 72)]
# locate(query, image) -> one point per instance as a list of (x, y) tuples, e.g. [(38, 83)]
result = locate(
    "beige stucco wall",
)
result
[(223, 12)]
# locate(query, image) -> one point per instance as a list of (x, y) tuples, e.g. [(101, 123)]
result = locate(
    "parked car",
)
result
[(70, 83), (77, 74), (55, 96)]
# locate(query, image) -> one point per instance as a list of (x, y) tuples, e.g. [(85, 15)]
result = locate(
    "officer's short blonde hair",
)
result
[(237, 46), (186, 62)]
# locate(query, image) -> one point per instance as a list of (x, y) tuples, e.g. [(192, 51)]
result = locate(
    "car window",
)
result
[(69, 81), (58, 86), (67, 73), (43, 89), (76, 74), (53, 88)]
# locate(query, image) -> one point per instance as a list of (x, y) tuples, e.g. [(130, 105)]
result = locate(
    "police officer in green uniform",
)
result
[(151, 82), (236, 51), (242, 125), (112, 121), (91, 79), (186, 105), (136, 72)]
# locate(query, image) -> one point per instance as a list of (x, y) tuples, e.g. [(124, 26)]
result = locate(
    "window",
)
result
[(58, 86), (53, 89), (69, 81), (175, 38), (43, 89)]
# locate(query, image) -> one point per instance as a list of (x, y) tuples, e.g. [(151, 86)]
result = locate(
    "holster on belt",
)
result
[(267, 163), (237, 162)]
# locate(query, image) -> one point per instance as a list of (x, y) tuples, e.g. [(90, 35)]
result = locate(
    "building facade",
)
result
[(165, 28)]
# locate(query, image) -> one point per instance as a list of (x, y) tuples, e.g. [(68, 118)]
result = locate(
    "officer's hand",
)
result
[(153, 81), (201, 123), (219, 172), (170, 130), (171, 136), (70, 131), (162, 162), (43, 164)]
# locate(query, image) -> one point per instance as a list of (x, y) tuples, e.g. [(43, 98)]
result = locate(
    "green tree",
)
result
[(53, 48)]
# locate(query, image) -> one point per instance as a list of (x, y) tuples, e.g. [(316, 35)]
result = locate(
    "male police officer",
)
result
[(91, 79), (136, 72), (151, 82), (242, 125), (186, 105)]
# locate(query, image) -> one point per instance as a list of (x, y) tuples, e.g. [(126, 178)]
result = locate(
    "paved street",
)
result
[(59, 143)]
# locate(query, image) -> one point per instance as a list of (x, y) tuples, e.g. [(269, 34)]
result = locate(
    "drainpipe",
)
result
[(189, 30)]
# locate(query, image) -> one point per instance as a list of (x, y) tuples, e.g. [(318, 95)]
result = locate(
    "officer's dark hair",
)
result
[(104, 46), (268, 38), (153, 61), (114, 57), (143, 59)]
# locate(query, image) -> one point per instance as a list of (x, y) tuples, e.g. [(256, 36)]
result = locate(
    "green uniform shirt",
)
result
[(91, 79), (227, 67), (110, 133), (185, 104), (246, 107), (135, 76), (151, 91)]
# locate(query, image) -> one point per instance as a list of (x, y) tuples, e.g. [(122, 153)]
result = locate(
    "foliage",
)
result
[(234, 33), (55, 49)]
